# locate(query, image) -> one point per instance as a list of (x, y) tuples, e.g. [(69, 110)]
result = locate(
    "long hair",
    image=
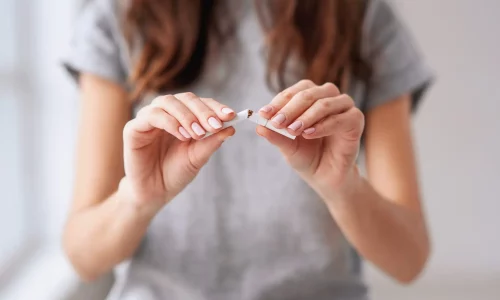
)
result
[(324, 35)]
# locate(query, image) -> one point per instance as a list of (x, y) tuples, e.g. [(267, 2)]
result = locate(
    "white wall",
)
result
[(12, 208), (14, 146), (56, 112), (458, 137), (458, 130)]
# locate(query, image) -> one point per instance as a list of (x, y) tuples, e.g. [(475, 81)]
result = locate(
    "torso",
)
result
[(247, 227)]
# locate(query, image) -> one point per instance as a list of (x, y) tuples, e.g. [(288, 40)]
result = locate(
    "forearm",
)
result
[(99, 237), (391, 236)]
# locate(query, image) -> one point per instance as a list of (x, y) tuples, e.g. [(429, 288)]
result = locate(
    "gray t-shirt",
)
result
[(247, 227)]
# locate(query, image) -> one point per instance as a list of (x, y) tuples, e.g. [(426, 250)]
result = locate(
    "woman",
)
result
[(261, 216)]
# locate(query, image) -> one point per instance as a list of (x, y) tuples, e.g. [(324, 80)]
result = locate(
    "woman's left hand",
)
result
[(328, 128)]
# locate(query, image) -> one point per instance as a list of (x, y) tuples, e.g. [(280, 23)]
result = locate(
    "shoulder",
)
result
[(97, 45), (112, 7), (379, 10), (380, 22), (398, 66), (111, 12), (106, 14)]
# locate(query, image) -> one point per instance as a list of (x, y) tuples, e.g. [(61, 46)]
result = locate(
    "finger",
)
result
[(173, 126), (287, 146), (319, 110), (149, 119), (206, 116), (301, 102), (160, 116), (284, 97), (203, 150), (349, 125), (181, 113), (223, 112)]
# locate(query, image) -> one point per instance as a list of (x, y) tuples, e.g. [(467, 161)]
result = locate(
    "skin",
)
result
[(116, 197)]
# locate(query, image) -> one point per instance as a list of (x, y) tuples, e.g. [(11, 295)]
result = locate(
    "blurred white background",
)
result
[(457, 133)]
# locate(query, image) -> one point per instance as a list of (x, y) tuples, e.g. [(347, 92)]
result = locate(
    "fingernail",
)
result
[(214, 123), (310, 130), (184, 132), (197, 129), (266, 109), (279, 118), (227, 111), (295, 125)]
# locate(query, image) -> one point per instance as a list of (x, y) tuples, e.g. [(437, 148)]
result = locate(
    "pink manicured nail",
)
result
[(266, 109), (310, 130), (184, 132), (296, 125), (214, 123), (227, 111), (279, 118), (197, 129)]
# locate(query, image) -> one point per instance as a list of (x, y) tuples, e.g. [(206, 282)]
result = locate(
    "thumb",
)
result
[(202, 150), (287, 146)]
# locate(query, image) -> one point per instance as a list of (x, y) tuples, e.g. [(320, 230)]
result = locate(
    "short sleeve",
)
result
[(94, 46), (397, 67)]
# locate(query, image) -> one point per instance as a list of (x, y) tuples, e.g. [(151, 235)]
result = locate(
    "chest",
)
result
[(236, 75)]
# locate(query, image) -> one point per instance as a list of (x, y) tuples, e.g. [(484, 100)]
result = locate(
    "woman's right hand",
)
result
[(164, 149)]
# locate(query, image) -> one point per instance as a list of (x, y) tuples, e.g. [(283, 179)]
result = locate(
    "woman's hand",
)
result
[(329, 127), (163, 150)]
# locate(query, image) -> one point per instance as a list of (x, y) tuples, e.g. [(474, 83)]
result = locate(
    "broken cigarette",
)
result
[(248, 114), (241, 116), (265, 122)]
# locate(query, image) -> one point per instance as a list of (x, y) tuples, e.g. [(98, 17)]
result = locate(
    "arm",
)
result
[(383, 217), (103, 227), (128, 170)]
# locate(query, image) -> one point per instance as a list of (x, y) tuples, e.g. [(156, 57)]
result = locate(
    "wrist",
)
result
[(351, 184), (344, 190), (142, 208)]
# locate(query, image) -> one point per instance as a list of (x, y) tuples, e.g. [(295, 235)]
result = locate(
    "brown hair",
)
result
[(323, 34)]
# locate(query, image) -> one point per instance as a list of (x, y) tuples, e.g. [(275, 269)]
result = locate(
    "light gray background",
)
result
[(457, 133)]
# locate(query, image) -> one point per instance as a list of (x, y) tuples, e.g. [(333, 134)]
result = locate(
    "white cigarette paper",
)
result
[(241, 116), (248, 114), (265, 122)]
